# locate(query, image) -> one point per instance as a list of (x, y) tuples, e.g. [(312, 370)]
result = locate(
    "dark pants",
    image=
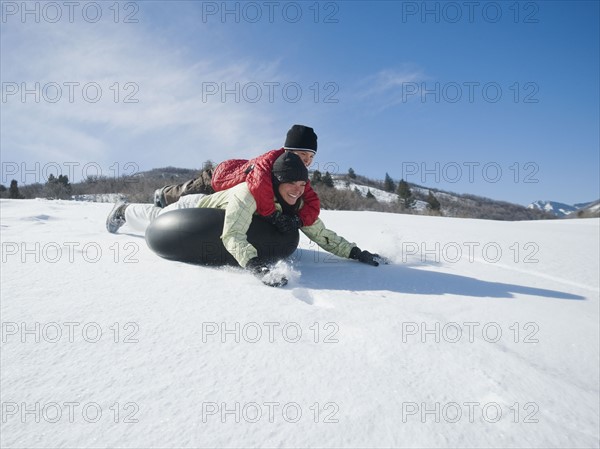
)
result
[(201, 184)]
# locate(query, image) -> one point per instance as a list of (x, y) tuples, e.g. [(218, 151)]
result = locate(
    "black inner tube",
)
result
[(193, 235)]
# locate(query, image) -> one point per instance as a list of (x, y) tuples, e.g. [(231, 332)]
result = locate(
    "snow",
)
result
[(553, 207), (380, 195), (479, 334), (100, 197)]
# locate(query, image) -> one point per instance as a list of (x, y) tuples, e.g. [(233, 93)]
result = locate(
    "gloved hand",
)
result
[(364, 256), (284, 223), (262, 271)]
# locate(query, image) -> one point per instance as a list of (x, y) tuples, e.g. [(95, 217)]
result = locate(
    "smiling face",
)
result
[(306, 156), (291, 191)]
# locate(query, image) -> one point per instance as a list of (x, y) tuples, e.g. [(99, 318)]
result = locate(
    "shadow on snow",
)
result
[(338, 274)]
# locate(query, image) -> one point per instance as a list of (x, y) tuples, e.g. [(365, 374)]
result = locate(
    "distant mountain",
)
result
[(560, 209), (588, 210), (452, 204), (586, 205), (553, 207)]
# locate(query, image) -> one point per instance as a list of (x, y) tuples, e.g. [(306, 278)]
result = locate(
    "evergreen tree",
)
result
[(317, 178), (3, 188), (432, 202), (369, 195), (351, 173), (403, 190), (357, 191), (91, 179), (388, 184), (64, 180), (327, 179), (58, 188), (13, 190), (405, 194)]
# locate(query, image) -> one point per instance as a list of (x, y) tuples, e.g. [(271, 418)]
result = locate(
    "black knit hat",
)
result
[(289, 168), (301, 137)]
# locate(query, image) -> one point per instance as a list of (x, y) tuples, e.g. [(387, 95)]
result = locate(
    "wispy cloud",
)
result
[(387, 87), (151, 110)]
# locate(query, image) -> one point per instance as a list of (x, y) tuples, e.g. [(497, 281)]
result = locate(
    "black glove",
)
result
[(364, 256), (284, 223), (262, 271)]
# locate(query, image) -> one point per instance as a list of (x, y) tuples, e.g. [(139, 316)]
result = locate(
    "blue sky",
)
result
[(499, 99)]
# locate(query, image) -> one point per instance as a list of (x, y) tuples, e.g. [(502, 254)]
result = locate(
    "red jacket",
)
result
[(257, 173)]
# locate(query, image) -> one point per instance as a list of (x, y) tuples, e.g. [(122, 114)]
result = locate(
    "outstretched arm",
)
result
[(336, 244)]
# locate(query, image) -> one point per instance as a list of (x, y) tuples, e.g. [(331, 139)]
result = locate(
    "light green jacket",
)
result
[(240, 206)]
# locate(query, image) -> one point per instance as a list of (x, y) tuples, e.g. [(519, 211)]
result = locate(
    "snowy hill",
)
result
[(380, 195), (480, 334), (140, 187), (452, 204), (553, 207), (586, 205), (561, 209), (589, 210)]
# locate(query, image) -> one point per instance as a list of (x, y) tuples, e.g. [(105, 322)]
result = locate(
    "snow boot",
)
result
[(116, 218), (159, 198)]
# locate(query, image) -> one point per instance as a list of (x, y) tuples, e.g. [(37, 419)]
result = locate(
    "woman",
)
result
[(300, 140), (289, 177)]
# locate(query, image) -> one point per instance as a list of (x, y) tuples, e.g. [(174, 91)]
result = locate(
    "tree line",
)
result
[(409, 199), (406, 201)]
